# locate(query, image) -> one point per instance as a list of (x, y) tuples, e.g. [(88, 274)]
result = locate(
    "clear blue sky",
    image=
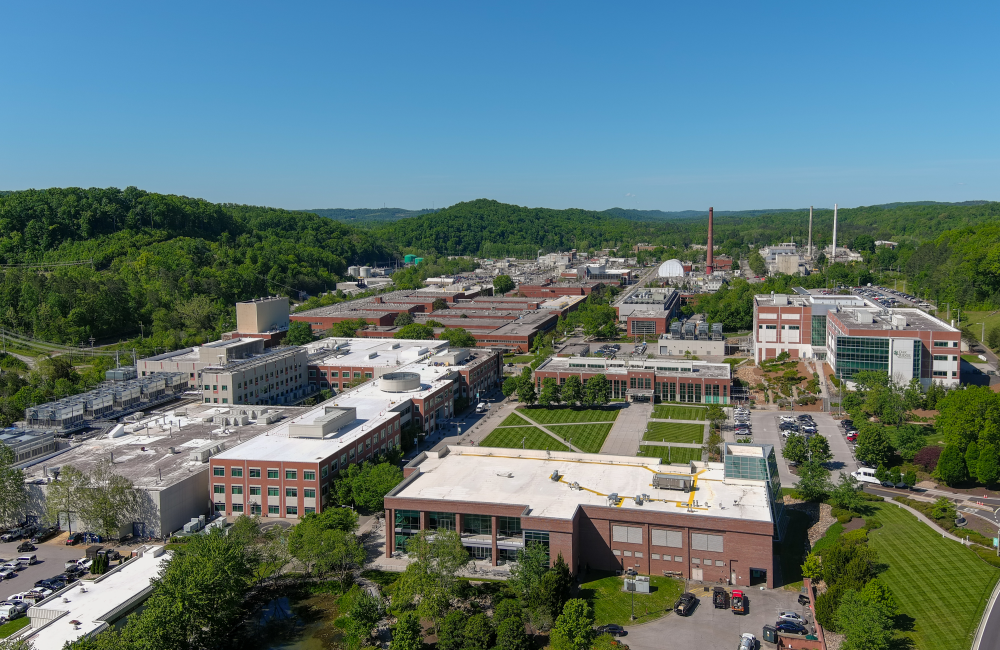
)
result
[(660, 105)]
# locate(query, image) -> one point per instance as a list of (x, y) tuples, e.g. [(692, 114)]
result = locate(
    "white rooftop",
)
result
[(374, 407), (92, 602), (516, 476), (358, 352)]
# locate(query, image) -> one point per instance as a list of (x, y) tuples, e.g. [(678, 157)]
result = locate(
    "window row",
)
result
[(256, 509), (255, 490), (290, 474)]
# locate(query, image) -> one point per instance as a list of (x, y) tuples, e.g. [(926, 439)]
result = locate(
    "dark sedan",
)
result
[(790, 628), (612, 629)]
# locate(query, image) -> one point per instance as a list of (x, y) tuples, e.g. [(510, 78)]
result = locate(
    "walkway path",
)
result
[(524, 415), (626, 434)]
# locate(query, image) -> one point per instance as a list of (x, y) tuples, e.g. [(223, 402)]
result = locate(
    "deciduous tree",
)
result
[(406, 635), (574, 629), (502, 284), (299, 333), (13, 495), (572, 390)]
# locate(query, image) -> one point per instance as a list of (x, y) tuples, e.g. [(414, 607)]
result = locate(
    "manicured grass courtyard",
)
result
[(675, 432), (514, 420), (11, 627), (672, 412), (669, 455), (533, 437), (612, 605), (942, 585), (587, 437), (568, 414)]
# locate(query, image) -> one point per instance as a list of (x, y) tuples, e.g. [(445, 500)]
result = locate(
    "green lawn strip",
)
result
[(588, 437), (972, 358), (514, 420), (568, 415), (669, 455), (832, 533), (13, 626), (672, 412), (942, 585), (533, 437), (612, 605), (675, 432)]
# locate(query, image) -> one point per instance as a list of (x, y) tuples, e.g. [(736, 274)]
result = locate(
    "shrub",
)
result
[(928, 458)]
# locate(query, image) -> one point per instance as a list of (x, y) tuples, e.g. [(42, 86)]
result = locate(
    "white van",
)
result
[(10, 612), (482, 407), (865, 475), (28, 560)]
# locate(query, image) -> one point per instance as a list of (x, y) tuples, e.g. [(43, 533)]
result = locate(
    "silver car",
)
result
[(792, 617)]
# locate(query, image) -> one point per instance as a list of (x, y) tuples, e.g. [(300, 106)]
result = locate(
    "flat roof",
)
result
[(358, 351), (373, 408), (515, 476), (700, 369), (92, 602), (142, 454), (916, 320)]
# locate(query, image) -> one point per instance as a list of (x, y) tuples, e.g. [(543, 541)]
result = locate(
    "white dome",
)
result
[(671, 269)]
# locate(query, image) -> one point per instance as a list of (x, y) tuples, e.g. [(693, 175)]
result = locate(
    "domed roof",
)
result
[(671, 269)]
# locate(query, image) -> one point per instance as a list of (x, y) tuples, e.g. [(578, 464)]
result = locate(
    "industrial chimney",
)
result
[(833, 251), (710, 265), (809, 246)]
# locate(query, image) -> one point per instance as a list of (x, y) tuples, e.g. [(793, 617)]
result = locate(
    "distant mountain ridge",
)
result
[(368, 215)]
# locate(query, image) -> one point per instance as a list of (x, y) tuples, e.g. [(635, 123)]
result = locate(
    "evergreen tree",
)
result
[(451, 635), (478, 633), (951, 466), (988, 464)]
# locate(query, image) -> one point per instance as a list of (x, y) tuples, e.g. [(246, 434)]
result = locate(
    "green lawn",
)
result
[(612, 605), (588, 437), (521, 358), (675, 432), (13, 626), (514, 420), (974, 319), (678, 413), (669, 455), (972, 358), (534, 438), (567, 415), (941, 585)]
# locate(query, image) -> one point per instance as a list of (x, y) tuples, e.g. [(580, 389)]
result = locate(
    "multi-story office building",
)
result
[(668, 380), (713, 522), (276, 376), (852, 334)]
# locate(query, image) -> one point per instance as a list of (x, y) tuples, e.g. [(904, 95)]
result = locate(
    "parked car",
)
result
[(747, 642), (110, 553), (12, 535), (612, 629), (13, 565), (720, 598), (902, 486), (20, 606), (25, 547), (41, 591), (44, 534), (685, 604), (28, 560), (803, 600), (7, 574), (790, 628), (739, 602), (794, 617), (74, 539)]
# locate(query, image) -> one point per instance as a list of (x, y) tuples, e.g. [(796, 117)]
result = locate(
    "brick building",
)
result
[(702, 521)]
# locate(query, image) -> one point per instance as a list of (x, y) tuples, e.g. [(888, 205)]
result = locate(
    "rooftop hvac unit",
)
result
[(613, 499), (555, 475), (672, 482)]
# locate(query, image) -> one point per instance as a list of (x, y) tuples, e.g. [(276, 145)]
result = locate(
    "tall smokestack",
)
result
[(809, 246), (833, 251), (710, 266)]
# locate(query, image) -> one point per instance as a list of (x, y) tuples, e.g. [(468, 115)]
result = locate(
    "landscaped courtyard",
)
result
[(669, 455), (612, 605), (675, 432), (586, 437), (569, 414), (675, 412), (529, 437)]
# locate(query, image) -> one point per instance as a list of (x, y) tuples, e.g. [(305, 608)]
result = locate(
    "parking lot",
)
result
[(765, 431), (52, 556), (708, 627)]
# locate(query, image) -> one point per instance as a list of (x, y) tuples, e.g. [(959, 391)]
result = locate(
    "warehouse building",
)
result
[(713, 522)]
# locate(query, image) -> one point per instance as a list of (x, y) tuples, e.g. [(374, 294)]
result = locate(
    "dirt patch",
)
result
[(854, 524)]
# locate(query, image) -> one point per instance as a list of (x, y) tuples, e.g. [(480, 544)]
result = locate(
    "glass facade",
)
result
[(477, 525), (818, 331), (758, 468), (441, 520), (856, 353), (408, 519), (509, 526)]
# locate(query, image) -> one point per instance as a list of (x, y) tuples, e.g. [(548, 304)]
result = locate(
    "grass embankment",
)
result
[(569, 415), (669, 455), (13, 626), (612, 605), (530, 437), (678, 413), (671, 432)]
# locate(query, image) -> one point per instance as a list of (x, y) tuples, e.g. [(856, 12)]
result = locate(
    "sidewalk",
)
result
[(626, 434)]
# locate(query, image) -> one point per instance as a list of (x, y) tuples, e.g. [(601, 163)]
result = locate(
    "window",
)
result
[(616, 552), (940, 373), (324, 471), (273, 492), (237, 507), (225, 400), (291, 492), (237, 489), (509, 526), (292, 510), (701, 542), (274, 510), (655, 556), (368, 375), (357, 375), (215, 387), (308, 475), (218, 471), (628, 553), (272, 473), (941, 344), (677, 558), (626, 534), (477, 525), (309, 510), (942, 357), (291, 474), (408, 519), (695, 560), (219, 489), (255, 509), (441, 520), (224, 387), (638, 554), (236, 472), (255, 490), (207, 388), (254, 473), (720, 563), (671, 538), (220, 507), (309, 493)]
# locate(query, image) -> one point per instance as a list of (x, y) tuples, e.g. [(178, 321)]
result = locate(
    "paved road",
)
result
[(625, 435), (52, 556), (708, 627), (988, 636)]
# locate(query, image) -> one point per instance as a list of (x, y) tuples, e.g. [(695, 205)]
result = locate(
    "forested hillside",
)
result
[(367, 215), (169, 266)]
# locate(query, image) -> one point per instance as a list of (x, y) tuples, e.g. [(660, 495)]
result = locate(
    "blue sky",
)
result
[(667, 106)]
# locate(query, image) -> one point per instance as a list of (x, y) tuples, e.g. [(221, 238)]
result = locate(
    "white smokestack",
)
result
[(809, 246), (833, 251)]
